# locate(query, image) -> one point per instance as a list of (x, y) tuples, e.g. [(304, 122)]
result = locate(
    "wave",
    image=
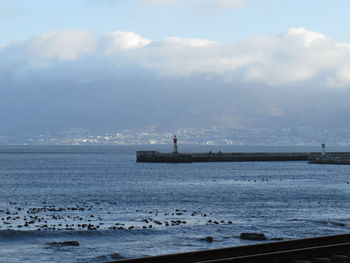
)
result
[(329, 222), (20, 234), (105, 258)]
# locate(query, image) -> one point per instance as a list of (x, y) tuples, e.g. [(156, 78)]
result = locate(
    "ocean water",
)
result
[(116, 208)]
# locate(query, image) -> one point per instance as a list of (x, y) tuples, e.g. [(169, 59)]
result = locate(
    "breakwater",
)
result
[(312, 157), (331, 159)]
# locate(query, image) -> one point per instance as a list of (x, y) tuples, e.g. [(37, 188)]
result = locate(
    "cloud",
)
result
[(65, 45), (305, 36), (119, 40), (297, 57), (191, 42), (73, 44), (73, 78)]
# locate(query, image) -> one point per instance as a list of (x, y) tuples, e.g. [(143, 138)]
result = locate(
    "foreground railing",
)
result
[(333, 249)]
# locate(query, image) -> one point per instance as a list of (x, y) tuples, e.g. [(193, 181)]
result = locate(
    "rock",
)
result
[(65, 243), (114, 256), (253, 236), (337, 223), (277, 239), (208, 239)]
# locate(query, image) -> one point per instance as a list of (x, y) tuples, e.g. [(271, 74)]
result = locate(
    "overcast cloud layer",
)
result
[(65, 79)]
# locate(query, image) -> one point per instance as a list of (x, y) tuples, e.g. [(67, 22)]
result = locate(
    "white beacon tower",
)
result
[(323, 153), (175, 145)]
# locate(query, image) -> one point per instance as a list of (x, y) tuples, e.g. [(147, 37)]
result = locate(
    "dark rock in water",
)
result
[(114, 256), (208, 239), (277, 239), (253, 236), (337, 223), (64, 243)]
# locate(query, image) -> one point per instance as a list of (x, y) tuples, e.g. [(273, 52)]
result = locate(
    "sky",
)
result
[(107, 65)]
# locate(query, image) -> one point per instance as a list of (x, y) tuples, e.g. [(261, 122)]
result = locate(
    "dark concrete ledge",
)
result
[(331, 159), (312, 157)]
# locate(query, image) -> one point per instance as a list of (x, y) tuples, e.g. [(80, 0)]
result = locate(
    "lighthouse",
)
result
[(323, 153), (175, 145)]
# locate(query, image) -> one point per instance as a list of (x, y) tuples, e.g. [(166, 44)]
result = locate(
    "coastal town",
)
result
[(303, 136)]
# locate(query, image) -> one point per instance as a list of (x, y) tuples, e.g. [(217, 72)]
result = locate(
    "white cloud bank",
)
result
[(125, 79), (298, 56)]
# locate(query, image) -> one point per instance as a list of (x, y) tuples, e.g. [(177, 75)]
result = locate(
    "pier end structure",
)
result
[(175, 151), (323, 153)]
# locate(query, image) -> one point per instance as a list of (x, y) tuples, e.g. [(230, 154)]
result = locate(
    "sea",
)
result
[(117, 208)]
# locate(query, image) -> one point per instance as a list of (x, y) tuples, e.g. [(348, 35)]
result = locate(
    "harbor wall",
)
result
[(153, 156), (331, 159), (312, 157)]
